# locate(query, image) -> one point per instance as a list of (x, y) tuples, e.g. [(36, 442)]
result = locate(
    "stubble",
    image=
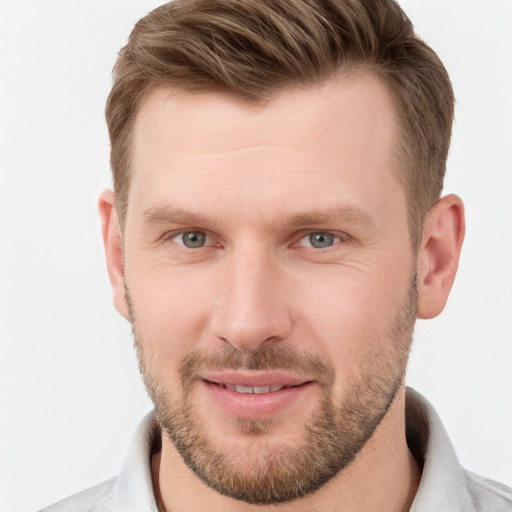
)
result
[(332, 437)]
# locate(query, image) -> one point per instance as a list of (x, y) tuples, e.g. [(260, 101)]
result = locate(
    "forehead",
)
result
[(339, 134), (328, 108)]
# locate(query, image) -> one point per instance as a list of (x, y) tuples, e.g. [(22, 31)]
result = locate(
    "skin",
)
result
[(258, 181)]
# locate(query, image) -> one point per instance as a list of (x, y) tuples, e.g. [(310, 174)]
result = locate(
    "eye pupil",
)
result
[(193, 239), (321, 240)]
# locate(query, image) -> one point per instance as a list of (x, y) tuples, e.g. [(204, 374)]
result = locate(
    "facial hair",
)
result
[(334, 434)]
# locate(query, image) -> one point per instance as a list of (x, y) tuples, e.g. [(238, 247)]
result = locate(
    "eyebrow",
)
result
[(351, 214), (165, 215)]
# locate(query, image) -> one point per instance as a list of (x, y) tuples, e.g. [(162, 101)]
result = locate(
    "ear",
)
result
[(438, 257), (113, 250)]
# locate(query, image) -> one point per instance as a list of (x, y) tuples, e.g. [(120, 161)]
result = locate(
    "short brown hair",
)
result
[(253, 49)]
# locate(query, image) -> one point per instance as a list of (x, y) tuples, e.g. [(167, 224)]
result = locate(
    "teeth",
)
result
[(243, 389), (256, 390)]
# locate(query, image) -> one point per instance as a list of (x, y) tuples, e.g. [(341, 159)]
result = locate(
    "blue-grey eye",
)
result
[(192, 239), (322, 240)]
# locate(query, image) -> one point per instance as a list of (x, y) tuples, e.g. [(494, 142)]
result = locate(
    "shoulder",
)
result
[(488, 495), (96, 499)]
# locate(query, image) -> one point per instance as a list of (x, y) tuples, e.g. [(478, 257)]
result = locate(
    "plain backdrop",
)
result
[(70, 391)]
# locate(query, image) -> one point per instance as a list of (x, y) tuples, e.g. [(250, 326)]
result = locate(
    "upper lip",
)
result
[(254, 379)]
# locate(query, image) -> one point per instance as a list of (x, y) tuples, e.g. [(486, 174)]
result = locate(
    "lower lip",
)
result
[(252, 406)]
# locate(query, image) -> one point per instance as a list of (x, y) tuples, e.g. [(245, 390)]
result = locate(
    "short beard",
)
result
[(332, 437)]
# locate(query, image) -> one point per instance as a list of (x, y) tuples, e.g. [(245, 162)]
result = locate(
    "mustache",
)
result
[(266, 357)]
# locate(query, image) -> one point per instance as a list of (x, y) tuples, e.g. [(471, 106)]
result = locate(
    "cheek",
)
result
[(170, 313), (351, 314)]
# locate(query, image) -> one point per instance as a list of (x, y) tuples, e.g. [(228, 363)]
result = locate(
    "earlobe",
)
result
[(438, 257), (113, 250)]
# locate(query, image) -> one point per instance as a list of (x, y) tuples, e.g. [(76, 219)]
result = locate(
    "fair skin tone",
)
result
[(259, 184)]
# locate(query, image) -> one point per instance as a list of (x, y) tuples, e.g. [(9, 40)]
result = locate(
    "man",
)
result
[(275, 229)]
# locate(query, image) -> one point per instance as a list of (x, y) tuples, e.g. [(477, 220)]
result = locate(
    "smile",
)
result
[(255, 395), (254, 390)]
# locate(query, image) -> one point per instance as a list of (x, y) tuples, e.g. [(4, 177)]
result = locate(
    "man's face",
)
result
[(270, 280)]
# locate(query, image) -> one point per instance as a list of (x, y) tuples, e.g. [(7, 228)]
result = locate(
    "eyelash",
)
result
[(334, 239), (338, 238), (170, 237)]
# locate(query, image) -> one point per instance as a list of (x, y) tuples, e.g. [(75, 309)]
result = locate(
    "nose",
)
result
[(253, 306)]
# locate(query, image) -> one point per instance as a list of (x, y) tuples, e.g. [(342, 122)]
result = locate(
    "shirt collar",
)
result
[(443, 481), (134, 486)]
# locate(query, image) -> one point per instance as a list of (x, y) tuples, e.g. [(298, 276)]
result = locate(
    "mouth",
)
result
[(253, 390), (249, 395)]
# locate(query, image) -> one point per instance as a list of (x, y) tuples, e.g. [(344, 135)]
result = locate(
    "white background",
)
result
[(70, 393)]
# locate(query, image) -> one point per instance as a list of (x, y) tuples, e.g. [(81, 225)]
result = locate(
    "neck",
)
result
[(383, 477)]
